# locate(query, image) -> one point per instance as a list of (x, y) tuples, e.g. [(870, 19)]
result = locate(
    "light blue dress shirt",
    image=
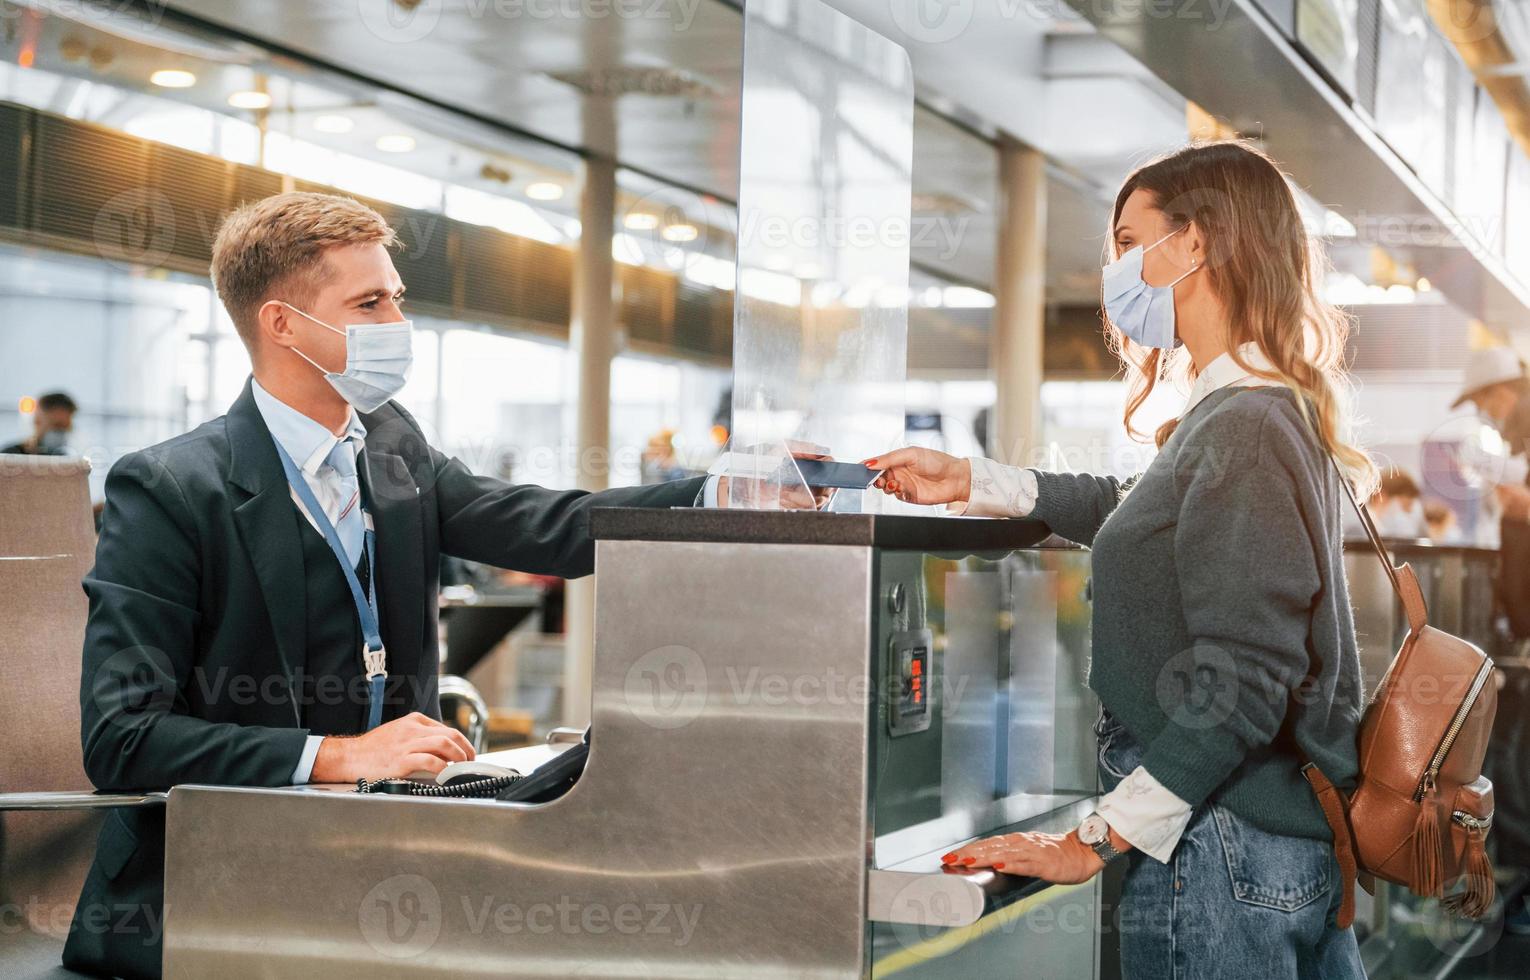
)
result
[(309, 444)]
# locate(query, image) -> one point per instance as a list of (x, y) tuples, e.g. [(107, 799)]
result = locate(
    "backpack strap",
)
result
[(1343, 839), (1404, 581)]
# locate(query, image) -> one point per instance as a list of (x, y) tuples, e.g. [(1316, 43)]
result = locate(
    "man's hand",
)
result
[(1062, 859), (757, 492), (923, 476), (406, 745)]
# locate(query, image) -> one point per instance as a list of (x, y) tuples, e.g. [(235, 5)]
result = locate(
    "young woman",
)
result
[(1224, 652)]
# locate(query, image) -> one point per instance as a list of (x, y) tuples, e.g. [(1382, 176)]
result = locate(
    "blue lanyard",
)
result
[(374, 658)]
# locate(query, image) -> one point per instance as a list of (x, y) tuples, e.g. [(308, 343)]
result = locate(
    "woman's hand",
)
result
[(1062, 859), (923, 476)]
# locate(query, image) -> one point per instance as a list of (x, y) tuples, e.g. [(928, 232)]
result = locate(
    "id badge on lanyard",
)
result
[(374, 657)]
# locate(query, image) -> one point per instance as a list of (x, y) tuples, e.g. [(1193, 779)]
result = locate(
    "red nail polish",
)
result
[(997, 865), (969, 860), (948, 858)]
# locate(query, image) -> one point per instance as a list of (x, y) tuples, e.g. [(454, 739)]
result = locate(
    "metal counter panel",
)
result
[(660, 861)]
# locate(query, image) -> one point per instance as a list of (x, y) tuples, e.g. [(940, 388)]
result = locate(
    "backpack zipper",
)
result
[(1456, 723), (1471, 821)]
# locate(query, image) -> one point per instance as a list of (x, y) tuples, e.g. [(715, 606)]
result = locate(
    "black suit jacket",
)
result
[(197, 623)]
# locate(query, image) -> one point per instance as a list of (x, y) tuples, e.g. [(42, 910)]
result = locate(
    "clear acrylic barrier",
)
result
[(820, 334)]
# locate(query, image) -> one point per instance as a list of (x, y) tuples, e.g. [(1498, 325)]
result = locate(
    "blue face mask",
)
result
[(1143, 313), (53, 442), (378, 357)]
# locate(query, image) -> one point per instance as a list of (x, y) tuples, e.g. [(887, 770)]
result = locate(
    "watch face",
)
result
[(1093, 830)]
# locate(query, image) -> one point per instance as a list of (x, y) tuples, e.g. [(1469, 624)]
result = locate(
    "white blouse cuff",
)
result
[(1146, 814), (997, 491)]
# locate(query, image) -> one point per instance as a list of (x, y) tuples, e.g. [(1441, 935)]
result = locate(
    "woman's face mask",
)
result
[(1143, 313), (378, 357)]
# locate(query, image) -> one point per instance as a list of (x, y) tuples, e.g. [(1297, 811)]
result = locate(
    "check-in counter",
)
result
[(794, 716)]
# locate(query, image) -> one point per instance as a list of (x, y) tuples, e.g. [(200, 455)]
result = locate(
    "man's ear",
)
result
[(274, 323)]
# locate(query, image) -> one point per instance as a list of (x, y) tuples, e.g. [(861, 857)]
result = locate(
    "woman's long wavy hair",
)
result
[(1265, 269)]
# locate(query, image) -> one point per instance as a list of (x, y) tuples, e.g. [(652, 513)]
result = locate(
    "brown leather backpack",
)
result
[(1421, 810)]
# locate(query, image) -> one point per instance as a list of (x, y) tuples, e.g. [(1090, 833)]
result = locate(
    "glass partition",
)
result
[(1001, 730), (984, 725), (820, 336)]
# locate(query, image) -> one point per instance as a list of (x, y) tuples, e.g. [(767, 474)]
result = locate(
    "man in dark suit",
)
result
[(228, 620)]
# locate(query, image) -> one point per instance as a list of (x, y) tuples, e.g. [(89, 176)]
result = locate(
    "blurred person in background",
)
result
[(1441, 521), (52, 421), (659, 463), (1397, 506), (1497, 388)]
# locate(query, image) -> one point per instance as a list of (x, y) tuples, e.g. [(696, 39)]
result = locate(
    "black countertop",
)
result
[(810, 527)]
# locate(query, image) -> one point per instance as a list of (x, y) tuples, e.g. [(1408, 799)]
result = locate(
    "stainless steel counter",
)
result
[(749, 808)]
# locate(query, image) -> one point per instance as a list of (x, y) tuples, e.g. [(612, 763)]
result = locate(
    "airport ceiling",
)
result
[(675, 67)]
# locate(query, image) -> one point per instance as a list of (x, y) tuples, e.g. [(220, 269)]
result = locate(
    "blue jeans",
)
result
[(1233, 901)]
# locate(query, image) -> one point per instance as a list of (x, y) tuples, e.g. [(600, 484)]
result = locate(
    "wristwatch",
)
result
[(1095, 832)]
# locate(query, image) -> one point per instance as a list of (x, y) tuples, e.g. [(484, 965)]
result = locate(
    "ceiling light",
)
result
[(250, 100), (680, 233), (641, 221), (173, 78), (330, 123), (544, 190), (395, 143)]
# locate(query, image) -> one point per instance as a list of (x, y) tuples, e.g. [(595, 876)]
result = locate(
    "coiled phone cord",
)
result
[(489, 786)]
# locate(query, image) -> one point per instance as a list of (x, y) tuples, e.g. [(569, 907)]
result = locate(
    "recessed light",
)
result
[(680, 233), (544, 190), (641, 221), (250, 100), (331, 123), (173, 78), (395, 143)]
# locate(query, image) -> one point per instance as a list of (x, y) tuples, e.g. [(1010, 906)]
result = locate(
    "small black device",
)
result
[(908, 674), (552, 778)]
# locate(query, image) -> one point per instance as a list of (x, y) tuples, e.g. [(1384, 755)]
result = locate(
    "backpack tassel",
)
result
[(1427, 857), (1480, 886)]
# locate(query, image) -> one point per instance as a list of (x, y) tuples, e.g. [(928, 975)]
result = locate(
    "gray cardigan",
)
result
[(1223, 636)]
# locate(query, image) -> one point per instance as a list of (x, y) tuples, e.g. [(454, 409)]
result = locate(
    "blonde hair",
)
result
[(277, 244), (1265, 269)]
